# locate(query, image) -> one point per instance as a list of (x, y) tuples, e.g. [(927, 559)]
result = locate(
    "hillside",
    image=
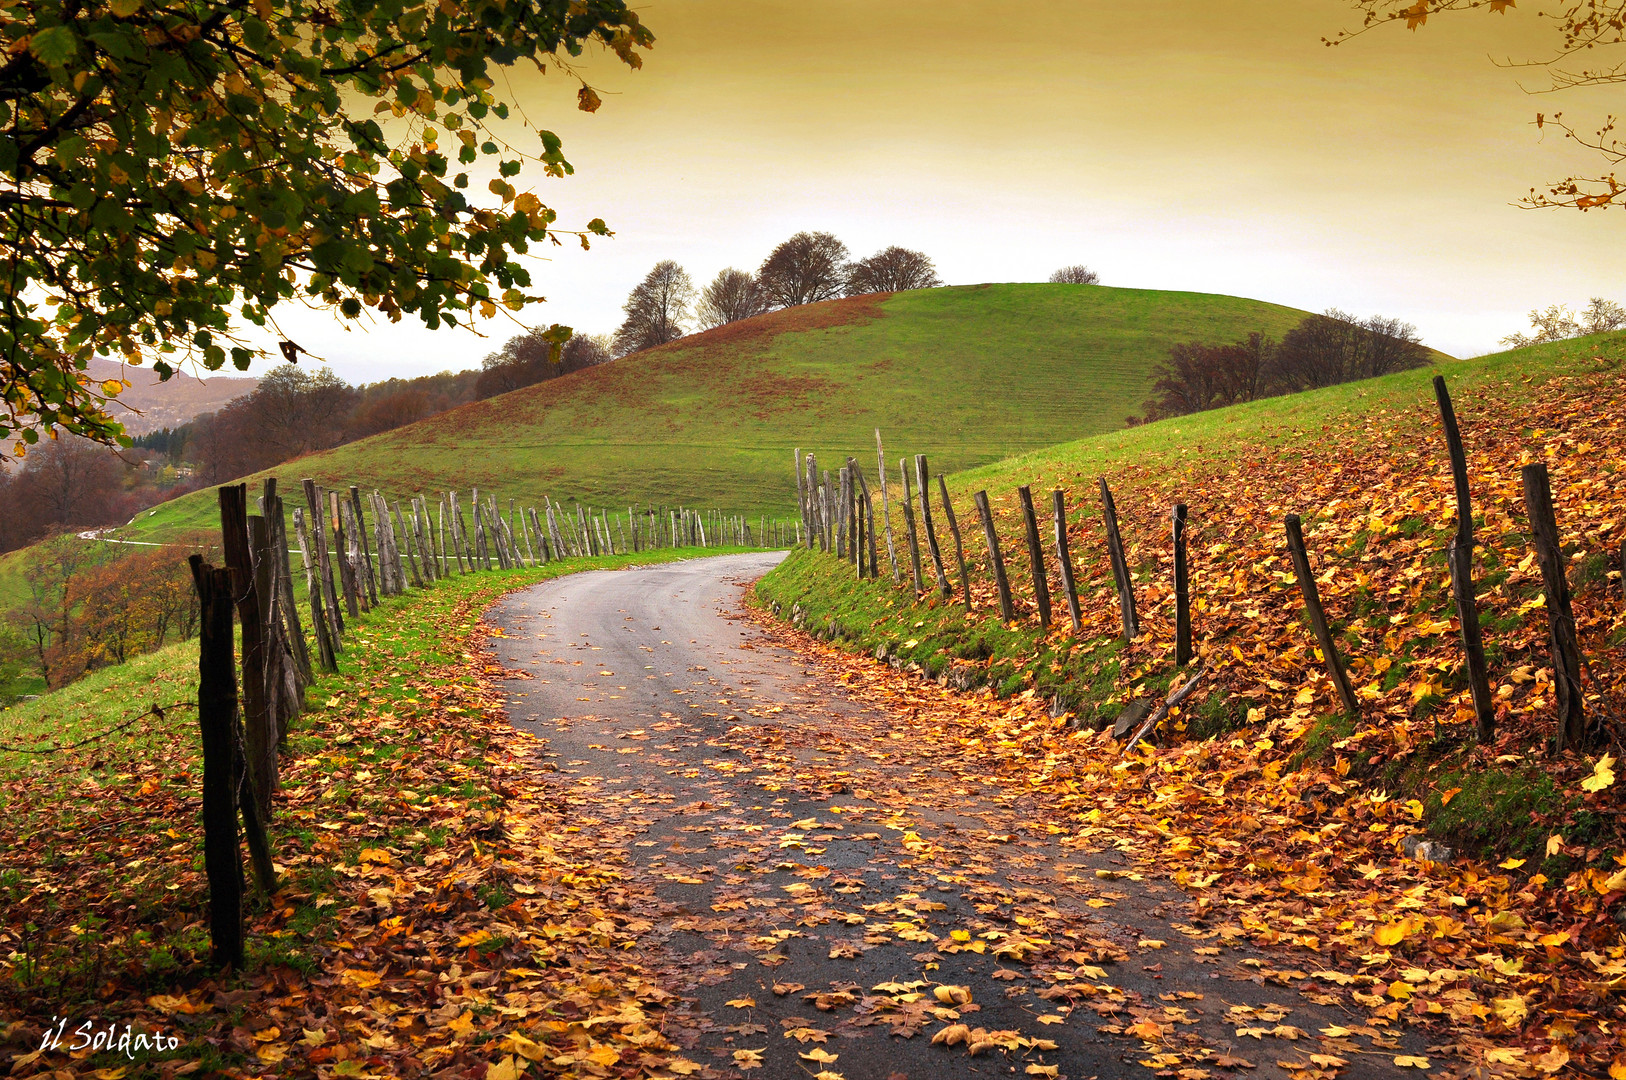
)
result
[(976, 373), (150, 404)]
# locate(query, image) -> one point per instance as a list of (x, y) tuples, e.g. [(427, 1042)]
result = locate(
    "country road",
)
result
[(822, 866)]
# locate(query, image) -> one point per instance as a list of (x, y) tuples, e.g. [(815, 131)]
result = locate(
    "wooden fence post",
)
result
[(1120, 565), (341, 553), (1041, 586), (258, 720), (886, 509), (274, 512), (869, 524), (1460, 555), (1318, 617), (923, 480), (1182, 591), (801, 491), (319, 623), (1064, 556), (909, 527), (959, 545), (366, 549), (280, 691), (1538, 503), (324, 569), (1007, 611), (843, 506), (217, 719)]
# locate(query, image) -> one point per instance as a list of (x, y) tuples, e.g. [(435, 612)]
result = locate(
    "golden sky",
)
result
[(1214, 146)]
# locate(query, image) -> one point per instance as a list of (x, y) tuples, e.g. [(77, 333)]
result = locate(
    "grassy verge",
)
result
[(418, 858)]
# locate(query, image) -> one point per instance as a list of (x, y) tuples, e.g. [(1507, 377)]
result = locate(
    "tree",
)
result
[(170, 174), (1197, 376), (534, 357), (1336, 347), (1591, 33), (1077, 274), (892, 270), (655, 309), (583, 351), (807, 268), (1600, 316), (732, 295), (297, 411)]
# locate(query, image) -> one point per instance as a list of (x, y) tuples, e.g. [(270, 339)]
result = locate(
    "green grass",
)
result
[(969, 374)]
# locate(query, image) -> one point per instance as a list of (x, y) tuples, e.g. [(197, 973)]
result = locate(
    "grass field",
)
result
[(968, 374)]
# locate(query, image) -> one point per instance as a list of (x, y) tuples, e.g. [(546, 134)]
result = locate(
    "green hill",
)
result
[(976, 373)]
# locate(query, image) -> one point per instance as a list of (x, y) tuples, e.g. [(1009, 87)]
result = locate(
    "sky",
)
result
[(1215, 147)]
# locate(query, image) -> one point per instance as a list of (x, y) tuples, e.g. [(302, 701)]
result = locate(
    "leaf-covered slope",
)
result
[(977, 373)]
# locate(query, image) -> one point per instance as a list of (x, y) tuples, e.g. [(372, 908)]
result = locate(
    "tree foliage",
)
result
[(655, 309), (173, 173), (1322, 350), (732, 295), (892, 269), (809, 267), (1077, 274), (1585, 45)]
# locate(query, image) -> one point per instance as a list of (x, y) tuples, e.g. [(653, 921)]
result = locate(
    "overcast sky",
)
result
[(1214, 146)]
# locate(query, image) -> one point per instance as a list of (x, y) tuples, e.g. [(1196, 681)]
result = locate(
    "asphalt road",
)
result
[(820, 867)]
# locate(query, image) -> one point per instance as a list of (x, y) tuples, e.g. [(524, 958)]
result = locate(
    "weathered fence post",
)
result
[(869, 523), (1318, 617), (1041, 586), (258, 718), (366, 549), (959, 545), (1182, 591), (289, 606), (909, 527), (843, 508), (217, 719), (923, 480), (886, 509), (801, 491), (341, 553), (1461, 557), (1064, 557), (1120, 565), (1007, 611), (1538, 503), (324, 569), (319, 624)]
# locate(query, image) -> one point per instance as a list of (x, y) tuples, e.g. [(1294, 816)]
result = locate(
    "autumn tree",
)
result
[(533, 357), (1336, 347), (732, 295), (1196, 376), (893, 269), (171, 175), (1583, 46), (1557, 323), (809, 267), (1077, 274), (656, 309)]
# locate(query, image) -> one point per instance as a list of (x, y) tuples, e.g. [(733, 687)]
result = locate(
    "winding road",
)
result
[(826, 873)]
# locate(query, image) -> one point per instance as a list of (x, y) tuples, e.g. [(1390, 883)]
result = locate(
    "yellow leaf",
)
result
[(362, 978), (1052, 1018), (1602, 775), (374, 855), (1555, 844), (1390, 934), (1501, 1056), (1617, 1069), (271, 1054), (741, 1003), (951, 1035), (1510, 864), (527, 203), (818, 1054), (748, 1059), (1447, 796), (111, 387), (952, 995), (506, 1069), (1407, 1061), (1042, 1070), (604, 1055), (1511, 1009), (684, 1067)]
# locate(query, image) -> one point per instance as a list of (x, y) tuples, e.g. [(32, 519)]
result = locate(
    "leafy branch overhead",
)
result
[(174, 173), (1582, 47)]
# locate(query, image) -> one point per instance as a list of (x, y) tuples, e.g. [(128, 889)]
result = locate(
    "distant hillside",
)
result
[(149, 404), (972, 374)]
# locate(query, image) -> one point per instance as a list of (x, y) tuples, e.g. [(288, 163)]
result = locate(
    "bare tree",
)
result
[(806, 268), (1602, 316), (1554, 324), (1336, 347), (655, 309), (1077, 274), (892, 270), (732, 295), (583, 351)]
